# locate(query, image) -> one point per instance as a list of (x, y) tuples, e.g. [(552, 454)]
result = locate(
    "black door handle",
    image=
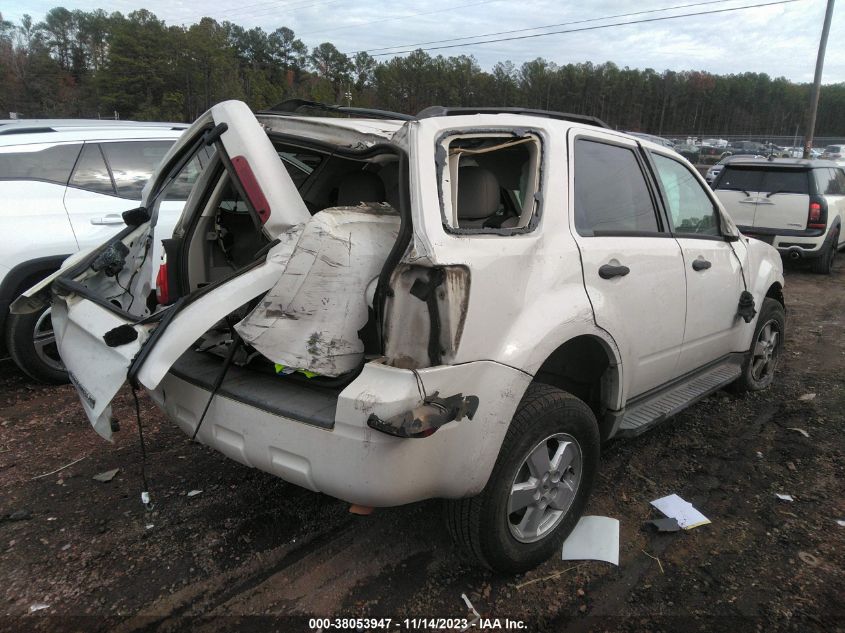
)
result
[(701, 264), (608, 271)]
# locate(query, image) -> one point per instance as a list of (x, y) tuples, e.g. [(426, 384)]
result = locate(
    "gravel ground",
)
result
[(250, 552)]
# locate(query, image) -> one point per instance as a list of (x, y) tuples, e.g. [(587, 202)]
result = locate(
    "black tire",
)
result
[(481, 525), (20, 341), (770, 312), (824, 264)]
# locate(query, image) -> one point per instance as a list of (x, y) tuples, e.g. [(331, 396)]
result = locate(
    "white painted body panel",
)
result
[(352, 461)]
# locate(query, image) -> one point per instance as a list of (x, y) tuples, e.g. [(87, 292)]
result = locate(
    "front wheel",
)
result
[(32, 345), (758, 370), (539, 486)]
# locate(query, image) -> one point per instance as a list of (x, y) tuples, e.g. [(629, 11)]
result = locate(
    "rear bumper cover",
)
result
[(806, 243), (352, 461)]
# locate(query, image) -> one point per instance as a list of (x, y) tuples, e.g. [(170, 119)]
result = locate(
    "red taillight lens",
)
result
[(162, 291), (815, 220), (251, 188)]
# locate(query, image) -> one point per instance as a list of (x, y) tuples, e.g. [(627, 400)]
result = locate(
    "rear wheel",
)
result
[(758, 370), (538, 488), (824, 264), (32, 345)]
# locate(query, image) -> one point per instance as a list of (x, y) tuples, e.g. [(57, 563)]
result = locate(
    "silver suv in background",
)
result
[(793, 204), (63, 187)]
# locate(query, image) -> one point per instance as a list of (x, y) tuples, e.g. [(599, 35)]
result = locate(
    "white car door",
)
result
[(712, 267), (98, 341), (633, 269)]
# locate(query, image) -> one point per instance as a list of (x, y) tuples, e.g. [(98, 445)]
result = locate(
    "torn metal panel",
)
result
[(310, 319)]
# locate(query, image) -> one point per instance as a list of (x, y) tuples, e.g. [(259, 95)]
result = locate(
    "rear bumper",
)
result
[(351, 461), (795, 244)]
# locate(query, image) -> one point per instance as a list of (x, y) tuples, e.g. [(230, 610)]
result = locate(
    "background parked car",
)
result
[(63, 187), (835, 153)]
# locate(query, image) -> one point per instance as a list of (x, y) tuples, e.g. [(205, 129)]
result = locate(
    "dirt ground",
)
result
[(252, 553)]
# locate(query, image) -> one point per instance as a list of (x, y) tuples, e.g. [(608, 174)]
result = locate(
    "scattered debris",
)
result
[(38, 606), (53, 472), (474, 612), (759, 455), (549, 577), (808, 558), (807, 397), (149, 526), (194, 493), (659, 564), (65, 547), (594, 538), (20, 515), (683, 511), (790, 467), (783, 497), (840, 522), (797, 430), (360, 510), (669, 524), (106, 476)]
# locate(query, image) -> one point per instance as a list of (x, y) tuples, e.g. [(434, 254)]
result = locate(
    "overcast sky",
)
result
[(780, 40)]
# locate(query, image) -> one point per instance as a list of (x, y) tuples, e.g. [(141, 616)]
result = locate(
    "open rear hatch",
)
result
[(104, 316)]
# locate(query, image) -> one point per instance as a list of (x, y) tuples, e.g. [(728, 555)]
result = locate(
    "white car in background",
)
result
[(63, 187)]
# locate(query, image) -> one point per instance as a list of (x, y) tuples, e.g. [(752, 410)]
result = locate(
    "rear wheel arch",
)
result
[(28, 273), (587, 367)]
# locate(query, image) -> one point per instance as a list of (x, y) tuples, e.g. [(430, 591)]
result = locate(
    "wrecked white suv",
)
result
[(463, 304)]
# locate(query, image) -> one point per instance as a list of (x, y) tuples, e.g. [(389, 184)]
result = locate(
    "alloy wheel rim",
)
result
[(766, 351), (544, 487), (44, 342)]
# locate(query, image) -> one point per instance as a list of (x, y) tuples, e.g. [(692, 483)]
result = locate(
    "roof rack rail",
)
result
[(295, 106), (25, 130), (434, 111)]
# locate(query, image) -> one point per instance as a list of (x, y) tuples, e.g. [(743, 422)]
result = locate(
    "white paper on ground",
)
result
[(594, 538), (683, 511), (784, 497)]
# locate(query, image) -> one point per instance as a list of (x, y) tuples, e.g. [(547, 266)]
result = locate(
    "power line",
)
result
[(403, 17), (586, 28), (549, 26)]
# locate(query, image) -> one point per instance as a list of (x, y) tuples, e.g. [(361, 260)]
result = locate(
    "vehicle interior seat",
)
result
[(479, 196), (360, 186)]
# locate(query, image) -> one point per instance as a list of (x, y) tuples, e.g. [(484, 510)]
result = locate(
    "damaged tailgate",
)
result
[(102, 321)]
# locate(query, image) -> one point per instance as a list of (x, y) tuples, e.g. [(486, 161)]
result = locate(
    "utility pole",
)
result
[(817, 82)]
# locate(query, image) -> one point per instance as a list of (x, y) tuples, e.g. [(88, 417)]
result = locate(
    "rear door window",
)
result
[(786, 181), (132, 163), (611, 194)]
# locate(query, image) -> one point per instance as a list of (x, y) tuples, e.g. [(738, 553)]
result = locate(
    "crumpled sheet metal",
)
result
[(310, 319)]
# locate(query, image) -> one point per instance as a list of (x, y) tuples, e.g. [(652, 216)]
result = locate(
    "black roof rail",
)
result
[(435, 111), (25, 130), (295, 106)]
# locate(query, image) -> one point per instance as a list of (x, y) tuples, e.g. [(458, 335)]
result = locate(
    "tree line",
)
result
[(96, 64)]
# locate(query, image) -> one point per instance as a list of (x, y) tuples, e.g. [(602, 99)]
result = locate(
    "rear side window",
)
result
[(611, 195), (132, 163), (762, 179), (51, 164), (91, 172)]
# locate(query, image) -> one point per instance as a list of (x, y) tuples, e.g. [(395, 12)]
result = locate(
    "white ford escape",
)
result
[(462, 304)]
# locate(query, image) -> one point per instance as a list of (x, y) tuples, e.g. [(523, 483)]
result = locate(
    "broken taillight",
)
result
[(251, 188), (162, 291)]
